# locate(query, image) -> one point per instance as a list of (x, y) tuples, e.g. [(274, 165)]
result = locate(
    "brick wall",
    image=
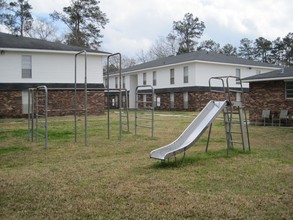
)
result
[(10, 104), (268, 95), (60, 102)]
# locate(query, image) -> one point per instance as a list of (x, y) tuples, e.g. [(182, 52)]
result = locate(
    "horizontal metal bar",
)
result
[(149, 119), (143, 126), (236, 142)]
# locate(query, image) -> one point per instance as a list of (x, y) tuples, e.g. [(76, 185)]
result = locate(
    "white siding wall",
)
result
[(198, 75), (50, 68), (205, 71)]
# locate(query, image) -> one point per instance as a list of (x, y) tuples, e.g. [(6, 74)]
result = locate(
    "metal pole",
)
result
[(108, 98), (46, 116), (153, 112), (33, 114), (120, 97), (75, 101), (120, 94), (127, 106), (85, 98), (37, 116), (29, 116)]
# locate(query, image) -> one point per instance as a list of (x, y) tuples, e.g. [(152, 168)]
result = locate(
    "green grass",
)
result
[(107, 179)]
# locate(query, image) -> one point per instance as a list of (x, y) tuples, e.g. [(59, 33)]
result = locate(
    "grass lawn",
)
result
[(111, 180)]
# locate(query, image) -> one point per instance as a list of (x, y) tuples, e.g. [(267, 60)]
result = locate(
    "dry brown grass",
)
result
[(112, 180)]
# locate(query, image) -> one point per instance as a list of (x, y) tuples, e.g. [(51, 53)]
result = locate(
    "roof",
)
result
[(18, 42), (285, 74), (202, 56)]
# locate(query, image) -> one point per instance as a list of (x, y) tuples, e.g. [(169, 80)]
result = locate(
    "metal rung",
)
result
[(235, 123), (235, 132), (143, 126), (236, 142), (149, 119), (144, 93)]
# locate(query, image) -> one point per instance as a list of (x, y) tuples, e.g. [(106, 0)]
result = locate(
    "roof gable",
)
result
[(18, 42)]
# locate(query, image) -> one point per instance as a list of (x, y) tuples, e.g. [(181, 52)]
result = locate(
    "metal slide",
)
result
[(192, 133)]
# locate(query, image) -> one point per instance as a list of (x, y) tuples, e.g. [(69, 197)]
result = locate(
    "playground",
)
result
[(115, 178)]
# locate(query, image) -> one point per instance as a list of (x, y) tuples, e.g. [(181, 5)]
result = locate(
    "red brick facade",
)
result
[(60, 102), (268, 95)]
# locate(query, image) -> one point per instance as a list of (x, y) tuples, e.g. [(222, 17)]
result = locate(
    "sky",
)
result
[(134, 25)]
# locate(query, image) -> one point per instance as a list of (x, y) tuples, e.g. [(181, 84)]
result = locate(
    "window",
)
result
[(116, 82), (185, 100), (238, 74), (106, 83), (289, 90), (154, 78), (123, 82), (172, 76), (144, 79), (26, 66), (172, 100), (185, 74)]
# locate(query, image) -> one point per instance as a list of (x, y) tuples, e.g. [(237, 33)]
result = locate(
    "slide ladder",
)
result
[(235, 119)]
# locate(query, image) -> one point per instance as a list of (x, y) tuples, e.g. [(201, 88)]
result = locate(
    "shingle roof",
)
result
[(197, 56), (18, 42), (286, 73)]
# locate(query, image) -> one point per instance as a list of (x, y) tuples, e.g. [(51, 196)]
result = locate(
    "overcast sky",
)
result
[(135, 24)]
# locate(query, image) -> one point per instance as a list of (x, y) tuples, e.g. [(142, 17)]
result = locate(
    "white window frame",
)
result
[(26, 67), (154, 78), (238, 74), (185, 74), (144, 79), (123, 82), (172, 76), (116, 82), (289, 90)]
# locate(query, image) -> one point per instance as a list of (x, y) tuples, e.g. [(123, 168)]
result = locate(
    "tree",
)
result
[(209, 45), (229, 50), (163, 47), (277, 52), (44, 30), (143, 57), (85, 21), (246, 49), (288, 49), (262, 49), (187, 31), (16, 16)]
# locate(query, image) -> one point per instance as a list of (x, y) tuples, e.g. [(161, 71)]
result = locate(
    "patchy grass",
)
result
[(111, 180)]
